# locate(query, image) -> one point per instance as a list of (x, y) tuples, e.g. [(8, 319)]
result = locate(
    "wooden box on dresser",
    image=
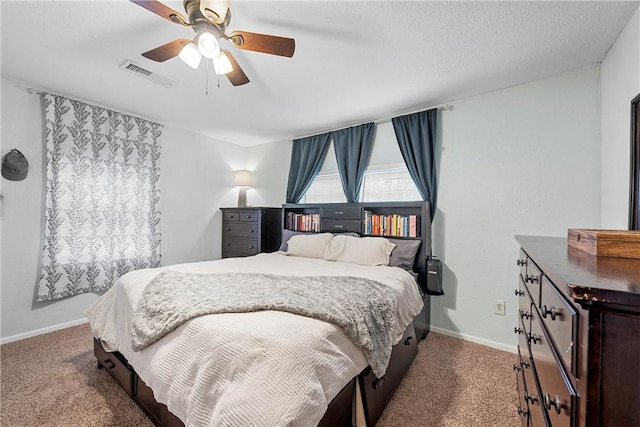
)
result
[(578, 361), (249, 231)]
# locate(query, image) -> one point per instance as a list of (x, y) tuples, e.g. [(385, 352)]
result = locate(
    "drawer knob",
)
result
[(525, 314), (228, 244), (519, 293), (408, 341), (552, 312), (516, 368), (533, 339), (533, 279), (523, 412), (228, 229), (522, 262), (517, 330), (251, 230), (532, 398), (251, 247), (525, 364), (377, 383), (555, 402)]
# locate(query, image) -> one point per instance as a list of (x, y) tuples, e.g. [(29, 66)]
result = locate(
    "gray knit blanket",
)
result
[(363, 308)]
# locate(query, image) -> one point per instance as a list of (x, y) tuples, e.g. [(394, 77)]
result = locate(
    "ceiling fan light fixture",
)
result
[(208, 44), (222, 64), (190, 55), (214, 10)]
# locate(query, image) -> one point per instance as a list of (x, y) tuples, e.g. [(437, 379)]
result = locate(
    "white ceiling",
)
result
[(355, 61)]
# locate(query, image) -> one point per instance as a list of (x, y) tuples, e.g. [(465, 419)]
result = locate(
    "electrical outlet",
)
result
[(498, 307)]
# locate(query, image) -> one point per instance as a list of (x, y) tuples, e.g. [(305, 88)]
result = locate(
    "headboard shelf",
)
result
[(351, 217)]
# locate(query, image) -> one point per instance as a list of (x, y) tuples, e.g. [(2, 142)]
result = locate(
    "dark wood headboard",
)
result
[(349, 217)]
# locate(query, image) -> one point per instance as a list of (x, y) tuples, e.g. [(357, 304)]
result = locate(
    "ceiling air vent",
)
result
[(136, 69)]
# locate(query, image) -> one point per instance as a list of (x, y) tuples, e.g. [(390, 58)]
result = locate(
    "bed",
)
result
[(265, 367)]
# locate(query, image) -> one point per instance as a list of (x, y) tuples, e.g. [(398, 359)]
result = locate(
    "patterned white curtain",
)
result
[(101, 199)]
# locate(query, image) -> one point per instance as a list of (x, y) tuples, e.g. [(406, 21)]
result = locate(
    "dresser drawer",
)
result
[(561, 321), (116, 367), (344, 212), (240, 229), (524, 303), (250, 216), (239, 246), (532, 280), (557, 396), (230, 216), (523, 407), (341, 225)]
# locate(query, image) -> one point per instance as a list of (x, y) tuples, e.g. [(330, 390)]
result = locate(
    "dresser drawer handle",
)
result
[(522, 262), (523, 412), (533, 339), (531, 398), (249, 217), (525, 364), (251, 230), (525, 314), (532, 279), (549, 311), (109, 364), (517, 330), (408, 341), (228, 229), (549, 403), (516, 368), (228, 244), (251, 247), (519, 293)]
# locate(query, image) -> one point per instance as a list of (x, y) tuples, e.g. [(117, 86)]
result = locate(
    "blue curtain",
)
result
[(416, 137), (353, 148), (307, 156)]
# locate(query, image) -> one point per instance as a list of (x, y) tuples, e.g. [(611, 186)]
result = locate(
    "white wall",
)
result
[(524, 160), (196, 176), (620, 84)]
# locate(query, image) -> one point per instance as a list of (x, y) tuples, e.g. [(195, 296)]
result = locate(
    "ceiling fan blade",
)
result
[(166, 51), (161, 10), (264, 43), (237, 77)]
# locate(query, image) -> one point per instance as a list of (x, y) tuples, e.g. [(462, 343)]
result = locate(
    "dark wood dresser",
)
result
[(249, 231), (578, 329)]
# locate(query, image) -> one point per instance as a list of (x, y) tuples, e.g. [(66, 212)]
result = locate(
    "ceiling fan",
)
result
[(209, 19)]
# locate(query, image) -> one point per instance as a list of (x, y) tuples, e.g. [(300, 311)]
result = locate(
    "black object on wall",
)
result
[(434, 276), (634, 186), (15, 166)]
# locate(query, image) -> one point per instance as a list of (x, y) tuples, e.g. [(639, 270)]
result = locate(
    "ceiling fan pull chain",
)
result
[(207, 81)]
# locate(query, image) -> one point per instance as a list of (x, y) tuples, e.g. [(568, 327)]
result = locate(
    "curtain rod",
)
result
[(33, 91), (441, 107)]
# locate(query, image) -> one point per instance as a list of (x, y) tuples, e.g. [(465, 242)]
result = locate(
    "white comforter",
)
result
[(265, 368)]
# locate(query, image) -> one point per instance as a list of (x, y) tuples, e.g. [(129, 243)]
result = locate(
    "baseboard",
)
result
[(488, 343), (35, 332)]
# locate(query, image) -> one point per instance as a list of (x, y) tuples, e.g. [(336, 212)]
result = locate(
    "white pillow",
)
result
[(309, 245), (359, 250)]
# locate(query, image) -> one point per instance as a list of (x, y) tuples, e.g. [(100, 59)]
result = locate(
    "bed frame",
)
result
[(343, 411)]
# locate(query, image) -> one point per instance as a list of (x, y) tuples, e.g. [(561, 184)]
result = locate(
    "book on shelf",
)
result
[(303, 222), (390, 225)]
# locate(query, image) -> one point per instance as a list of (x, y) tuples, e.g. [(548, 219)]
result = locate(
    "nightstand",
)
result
[(249, 231)]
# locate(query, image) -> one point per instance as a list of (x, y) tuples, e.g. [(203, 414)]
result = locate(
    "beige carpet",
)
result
[(52, 380)]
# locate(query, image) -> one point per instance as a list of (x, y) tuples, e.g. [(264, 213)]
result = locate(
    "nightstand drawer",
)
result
[(240, 246), (341, 225), (240, 229), (342, 212), (230, 216)]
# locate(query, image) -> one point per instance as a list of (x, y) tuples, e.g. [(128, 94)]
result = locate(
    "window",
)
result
[(382, 183)]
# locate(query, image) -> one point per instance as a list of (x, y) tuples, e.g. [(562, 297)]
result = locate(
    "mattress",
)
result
[(261, 368)]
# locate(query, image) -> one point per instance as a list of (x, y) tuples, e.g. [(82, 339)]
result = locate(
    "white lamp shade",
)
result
[(208, 45), (221, 64), (215, 10), (190, 55), (242, 178)]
